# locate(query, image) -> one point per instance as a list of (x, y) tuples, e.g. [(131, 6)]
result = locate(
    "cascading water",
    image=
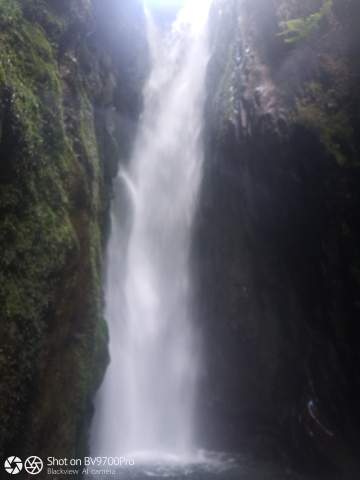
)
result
[(145, 410), (147, 399)]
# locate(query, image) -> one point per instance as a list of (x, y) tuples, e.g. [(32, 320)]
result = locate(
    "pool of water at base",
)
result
[(204, 466)]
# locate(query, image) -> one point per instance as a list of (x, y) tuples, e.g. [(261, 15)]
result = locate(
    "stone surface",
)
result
[(276, 243)]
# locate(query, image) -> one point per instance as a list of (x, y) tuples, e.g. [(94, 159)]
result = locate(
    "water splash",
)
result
[(147, 400)]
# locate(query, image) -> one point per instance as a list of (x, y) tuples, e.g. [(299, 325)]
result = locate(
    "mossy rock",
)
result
[(321, 111), (52, 327)]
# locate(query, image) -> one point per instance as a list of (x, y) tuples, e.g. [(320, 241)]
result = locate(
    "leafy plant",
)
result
[(320, 112), (298, 29)]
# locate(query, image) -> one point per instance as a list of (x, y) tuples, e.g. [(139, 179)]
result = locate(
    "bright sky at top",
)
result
[(193, 12), (165, 3)]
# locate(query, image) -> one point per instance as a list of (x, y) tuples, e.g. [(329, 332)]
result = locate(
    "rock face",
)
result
[(70, 95), (277, 238)]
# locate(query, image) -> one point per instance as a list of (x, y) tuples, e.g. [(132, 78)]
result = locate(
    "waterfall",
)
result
[(147, 400)]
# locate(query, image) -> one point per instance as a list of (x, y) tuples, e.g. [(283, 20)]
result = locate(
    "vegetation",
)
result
[(319, 111), (50, 216), (298, 29)]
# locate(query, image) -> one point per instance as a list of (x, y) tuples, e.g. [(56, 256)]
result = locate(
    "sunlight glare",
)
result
[(193, 12)]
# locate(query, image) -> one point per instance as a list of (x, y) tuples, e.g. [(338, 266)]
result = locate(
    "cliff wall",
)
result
[(71, 76), (277, 238)]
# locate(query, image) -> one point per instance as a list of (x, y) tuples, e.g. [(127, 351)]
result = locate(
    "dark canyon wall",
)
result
[(71, 75), (277, 237)]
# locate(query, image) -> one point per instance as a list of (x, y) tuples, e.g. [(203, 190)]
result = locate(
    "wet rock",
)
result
[(277, 216)]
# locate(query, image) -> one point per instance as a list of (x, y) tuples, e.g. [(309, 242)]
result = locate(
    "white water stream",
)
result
[(147, 400)]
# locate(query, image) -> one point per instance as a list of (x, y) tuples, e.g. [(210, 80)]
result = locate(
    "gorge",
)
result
[(180, 266)]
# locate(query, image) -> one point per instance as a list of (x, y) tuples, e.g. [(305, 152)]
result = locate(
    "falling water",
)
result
[(147, 399)]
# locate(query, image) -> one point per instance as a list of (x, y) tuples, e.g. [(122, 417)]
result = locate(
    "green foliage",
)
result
[(9, 12), (320, 112), (35, 242), (50, 242), (298, 29)]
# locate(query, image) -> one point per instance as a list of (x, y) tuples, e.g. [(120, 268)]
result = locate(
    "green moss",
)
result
[(319, 111), (88, 139), (50, 267), (43, 12), (29, 70), (9, 12), (297, 29), (35, 243), (224, 28)]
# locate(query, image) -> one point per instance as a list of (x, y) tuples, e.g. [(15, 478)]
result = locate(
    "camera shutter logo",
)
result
[(33, 465), (13, 465)]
